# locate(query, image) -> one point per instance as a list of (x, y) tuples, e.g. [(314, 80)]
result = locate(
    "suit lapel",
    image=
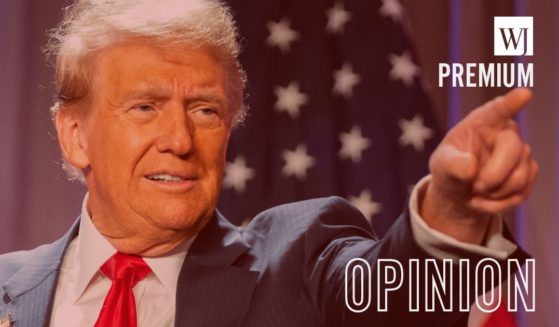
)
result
[(27, 297), (208, 283), (212, 291)]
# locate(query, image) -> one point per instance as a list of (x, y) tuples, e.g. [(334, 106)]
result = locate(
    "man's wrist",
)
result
[(452, 217), (442, 246)]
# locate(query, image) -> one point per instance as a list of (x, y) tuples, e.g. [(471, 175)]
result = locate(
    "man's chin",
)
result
[(175, 212), (191, 222)]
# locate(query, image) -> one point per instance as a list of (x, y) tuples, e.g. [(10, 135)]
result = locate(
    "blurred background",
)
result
[(344, 100)]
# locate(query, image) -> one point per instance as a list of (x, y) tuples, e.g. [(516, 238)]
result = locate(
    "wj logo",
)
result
[(513, 36)]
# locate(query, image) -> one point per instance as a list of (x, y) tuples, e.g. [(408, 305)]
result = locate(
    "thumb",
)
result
[(449, 164)]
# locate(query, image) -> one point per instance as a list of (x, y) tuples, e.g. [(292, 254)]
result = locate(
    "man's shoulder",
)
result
[(295, 219), (44, 257), (307, 211), (312, 204), (11, 262)]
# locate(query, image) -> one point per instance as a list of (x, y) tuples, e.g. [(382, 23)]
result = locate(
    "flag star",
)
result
[(337, 18), (403, 68), (281, 35), (297, 162), (353, 144), (414, 132), (366, 205), (345, 81), (393, 9), (290, 99), (237, 174)]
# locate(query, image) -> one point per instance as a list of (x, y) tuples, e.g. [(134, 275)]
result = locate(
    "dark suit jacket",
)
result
[(286, 268)]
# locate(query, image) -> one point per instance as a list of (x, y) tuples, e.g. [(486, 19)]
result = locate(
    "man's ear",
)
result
[(70, 131)]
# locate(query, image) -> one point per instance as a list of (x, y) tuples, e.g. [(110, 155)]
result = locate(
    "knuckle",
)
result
[(527, 150), (488, 206), (520, 177), (517, 200)]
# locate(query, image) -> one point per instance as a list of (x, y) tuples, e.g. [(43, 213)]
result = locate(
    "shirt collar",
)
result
[(92, 250), (168, 266)]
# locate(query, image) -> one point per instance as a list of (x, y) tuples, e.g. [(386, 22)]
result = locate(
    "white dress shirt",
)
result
[(82, 288)]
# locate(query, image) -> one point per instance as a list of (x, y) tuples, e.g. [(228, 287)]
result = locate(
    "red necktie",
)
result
[(119, 308)]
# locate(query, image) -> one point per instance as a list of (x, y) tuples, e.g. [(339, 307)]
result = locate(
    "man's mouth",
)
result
[(166, 178)]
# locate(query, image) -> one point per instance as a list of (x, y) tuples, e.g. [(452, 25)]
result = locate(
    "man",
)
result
[(148, 96)]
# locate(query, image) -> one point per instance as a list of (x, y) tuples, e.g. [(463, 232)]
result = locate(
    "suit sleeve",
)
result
[(340, 234)]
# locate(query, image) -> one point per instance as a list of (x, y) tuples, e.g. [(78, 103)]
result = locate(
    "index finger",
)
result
[(503, 108)]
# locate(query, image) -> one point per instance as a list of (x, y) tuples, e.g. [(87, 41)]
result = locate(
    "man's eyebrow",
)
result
[(160, 93), (208, 97), (148, 92)]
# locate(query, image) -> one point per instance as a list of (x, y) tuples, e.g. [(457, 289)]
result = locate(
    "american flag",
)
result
[(337, 107)]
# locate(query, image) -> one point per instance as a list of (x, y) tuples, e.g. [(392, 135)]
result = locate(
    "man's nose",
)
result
[(177, 132)]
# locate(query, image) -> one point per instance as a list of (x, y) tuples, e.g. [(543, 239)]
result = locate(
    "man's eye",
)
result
[(207, 111), (206, 117), (144, 107)]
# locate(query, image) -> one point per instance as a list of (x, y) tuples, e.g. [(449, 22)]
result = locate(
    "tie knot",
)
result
[(127, 267)]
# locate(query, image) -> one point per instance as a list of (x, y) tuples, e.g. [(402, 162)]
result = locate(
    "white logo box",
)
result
[(513, 36)]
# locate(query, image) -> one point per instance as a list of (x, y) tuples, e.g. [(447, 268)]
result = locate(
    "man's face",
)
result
[(155, 137)]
